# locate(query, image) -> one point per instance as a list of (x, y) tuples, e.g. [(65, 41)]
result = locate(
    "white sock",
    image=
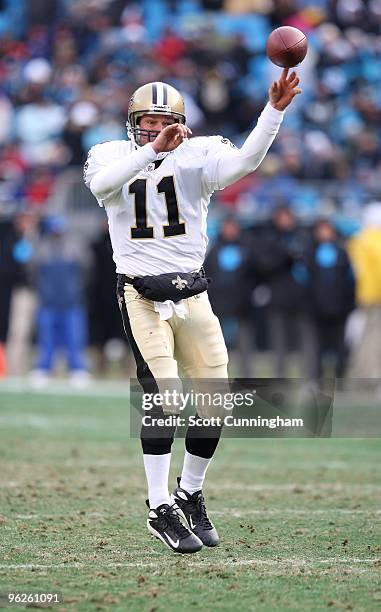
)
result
[(157, 472), (193, 474)]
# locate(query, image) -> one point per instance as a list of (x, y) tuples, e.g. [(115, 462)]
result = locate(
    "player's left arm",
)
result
[(233, 164)]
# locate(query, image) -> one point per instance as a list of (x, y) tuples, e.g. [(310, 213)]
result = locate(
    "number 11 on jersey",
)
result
[(167, 187)]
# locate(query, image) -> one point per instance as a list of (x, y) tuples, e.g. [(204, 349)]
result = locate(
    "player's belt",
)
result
[(173, 286), (125, 279)]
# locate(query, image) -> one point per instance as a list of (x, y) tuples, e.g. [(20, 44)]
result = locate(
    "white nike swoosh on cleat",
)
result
[(174, 544), (160, 537), (191, 525)]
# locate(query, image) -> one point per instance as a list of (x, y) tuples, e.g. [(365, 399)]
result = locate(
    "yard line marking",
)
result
[(234, 512), (295, 562), (296, 488), (238, 465)]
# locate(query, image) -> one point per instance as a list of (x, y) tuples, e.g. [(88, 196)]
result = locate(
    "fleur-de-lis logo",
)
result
[(179, 283)]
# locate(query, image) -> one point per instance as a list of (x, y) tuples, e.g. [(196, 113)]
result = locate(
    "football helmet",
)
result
[(157, 99)]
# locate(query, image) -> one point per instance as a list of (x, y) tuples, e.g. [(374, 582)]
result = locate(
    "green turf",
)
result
[(299, 520)]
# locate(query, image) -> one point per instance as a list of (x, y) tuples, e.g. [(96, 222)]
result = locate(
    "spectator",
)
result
[(38, 187), (23, 303), (331, 294), (104, 318), (229, 290), (61, 317), (365, 253), (277, 259), (42, 12), (82, 116), (9, 274)]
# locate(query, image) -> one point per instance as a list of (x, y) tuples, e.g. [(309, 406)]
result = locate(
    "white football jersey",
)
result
[(157, 221)]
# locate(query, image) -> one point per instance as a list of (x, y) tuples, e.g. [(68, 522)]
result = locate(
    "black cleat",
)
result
[(192, 509), (164, 523)]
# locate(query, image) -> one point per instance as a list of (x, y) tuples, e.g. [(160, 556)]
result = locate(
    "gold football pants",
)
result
[(194, 344), (193, 347)]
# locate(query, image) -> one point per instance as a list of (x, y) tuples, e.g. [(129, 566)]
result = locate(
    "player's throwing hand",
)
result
[(282, 92), (170, 137)]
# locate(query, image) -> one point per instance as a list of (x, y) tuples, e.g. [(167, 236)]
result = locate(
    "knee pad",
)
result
[(157, 440), (156, 446), (202, 440)]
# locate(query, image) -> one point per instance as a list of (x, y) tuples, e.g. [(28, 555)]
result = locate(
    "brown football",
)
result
[(286, 46)]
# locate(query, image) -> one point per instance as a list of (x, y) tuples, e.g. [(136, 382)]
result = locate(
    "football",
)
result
[(286, 46)]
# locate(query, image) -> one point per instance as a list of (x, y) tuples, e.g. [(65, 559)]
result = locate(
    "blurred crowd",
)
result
[(68, 68)]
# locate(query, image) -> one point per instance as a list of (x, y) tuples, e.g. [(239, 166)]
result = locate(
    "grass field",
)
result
[(299, 520)]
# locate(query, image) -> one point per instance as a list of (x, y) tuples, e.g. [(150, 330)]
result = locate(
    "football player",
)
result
[(156, 188)]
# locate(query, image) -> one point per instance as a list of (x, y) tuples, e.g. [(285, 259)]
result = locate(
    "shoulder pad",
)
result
[(205, 143), (101, 155), (111, 147), (199, 141), (212, 142)]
